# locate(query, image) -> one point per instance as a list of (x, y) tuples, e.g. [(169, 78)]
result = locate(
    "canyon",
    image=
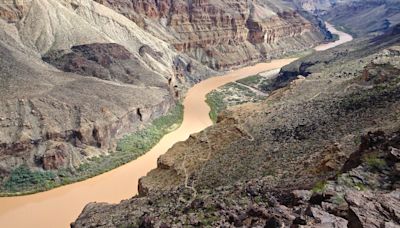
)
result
[(122, 182), (70, 95), (88, 86), (59, 207)]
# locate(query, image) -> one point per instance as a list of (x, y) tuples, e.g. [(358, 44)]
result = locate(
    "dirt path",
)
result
[(256, 91)]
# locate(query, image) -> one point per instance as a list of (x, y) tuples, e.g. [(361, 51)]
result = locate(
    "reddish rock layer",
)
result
[(221, 34)]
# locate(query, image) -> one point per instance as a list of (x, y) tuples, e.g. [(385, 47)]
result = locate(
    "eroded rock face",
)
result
[(223, 34), (14, 10), (55, 158), (32, 129), (373, 210)]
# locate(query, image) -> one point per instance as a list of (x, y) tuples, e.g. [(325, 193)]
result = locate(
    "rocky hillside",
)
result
[(359, 17), (365, 194), (78, 75), (321, 150)]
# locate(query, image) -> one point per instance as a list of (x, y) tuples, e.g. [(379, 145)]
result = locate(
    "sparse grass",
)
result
[(346, 30), (269, 172), (338, 199), (258, 199), (299, 54), (335, 37), (360, 186), (319, 187), (349, 182), (24, 181), (374, 162)]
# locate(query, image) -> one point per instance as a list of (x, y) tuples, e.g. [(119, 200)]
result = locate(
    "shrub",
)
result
[(23, 178), (143, 140), (319, 187), (338, 199), (216, 102), (374, 162)]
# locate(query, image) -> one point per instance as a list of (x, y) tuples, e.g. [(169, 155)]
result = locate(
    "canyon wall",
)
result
[(223, 34), (51, 120)]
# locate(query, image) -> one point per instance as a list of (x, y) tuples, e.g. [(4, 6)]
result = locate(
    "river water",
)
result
[(343, 38), (60, 206)]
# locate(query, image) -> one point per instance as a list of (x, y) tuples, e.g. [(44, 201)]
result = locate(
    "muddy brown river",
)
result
[(60, 206)]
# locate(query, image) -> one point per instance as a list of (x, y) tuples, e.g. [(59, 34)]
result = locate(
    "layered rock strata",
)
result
[(223, 34)]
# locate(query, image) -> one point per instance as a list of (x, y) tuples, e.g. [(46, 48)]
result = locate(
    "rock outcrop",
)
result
[(106, 61)]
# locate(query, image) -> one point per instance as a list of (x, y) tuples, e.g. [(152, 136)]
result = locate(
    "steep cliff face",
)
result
[(316, 6), (226, 33), (14, 11)]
